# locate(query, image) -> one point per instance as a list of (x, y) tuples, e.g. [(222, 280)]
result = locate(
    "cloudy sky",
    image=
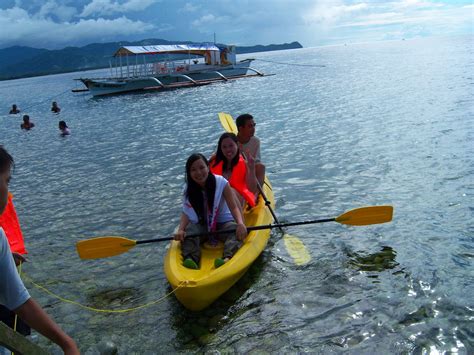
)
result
[(58, 23)]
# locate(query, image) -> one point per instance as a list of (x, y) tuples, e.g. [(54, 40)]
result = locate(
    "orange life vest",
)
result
[(11, 226), (237, 179)]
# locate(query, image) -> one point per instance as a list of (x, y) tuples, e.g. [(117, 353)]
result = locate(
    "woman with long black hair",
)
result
[(209, 205)]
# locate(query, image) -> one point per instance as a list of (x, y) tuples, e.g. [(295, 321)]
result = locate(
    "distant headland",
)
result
[(20, 62)]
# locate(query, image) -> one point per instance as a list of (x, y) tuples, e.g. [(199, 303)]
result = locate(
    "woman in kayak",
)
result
[(240, 173), (209, 206)]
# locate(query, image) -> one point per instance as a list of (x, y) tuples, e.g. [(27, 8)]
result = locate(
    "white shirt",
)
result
[(221, 212), (253, 146), (12, 291)]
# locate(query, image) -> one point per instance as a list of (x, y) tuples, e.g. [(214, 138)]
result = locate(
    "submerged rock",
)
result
[(107, 347)]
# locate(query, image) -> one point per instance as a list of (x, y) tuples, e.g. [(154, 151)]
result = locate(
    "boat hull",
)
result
[(197, 289), (100, 87)]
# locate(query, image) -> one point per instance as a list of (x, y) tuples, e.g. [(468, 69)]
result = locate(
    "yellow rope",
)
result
[(105, 310)]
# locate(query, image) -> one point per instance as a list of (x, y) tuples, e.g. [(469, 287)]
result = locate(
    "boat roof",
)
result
[(163, 49)]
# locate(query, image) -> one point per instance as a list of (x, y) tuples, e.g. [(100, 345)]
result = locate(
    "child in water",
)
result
[(55, 108), (209, 205), (64, 129)]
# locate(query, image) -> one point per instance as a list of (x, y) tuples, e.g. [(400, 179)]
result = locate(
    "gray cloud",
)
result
[(55, 23), (21, 28)]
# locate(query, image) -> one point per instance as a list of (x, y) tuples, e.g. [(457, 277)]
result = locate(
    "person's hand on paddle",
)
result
[(241, 231), (179, 235)]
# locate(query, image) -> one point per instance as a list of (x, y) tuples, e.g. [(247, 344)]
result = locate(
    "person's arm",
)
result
[(258, 158), (236, 211), (32, 313), (14, 296), (181, 232), (250, 177)]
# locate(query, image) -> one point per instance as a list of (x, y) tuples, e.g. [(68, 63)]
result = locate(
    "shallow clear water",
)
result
[(379, 123)]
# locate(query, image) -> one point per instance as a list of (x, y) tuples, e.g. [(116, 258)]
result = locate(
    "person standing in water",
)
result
[(14, 110), (55, 108), (27, 124), (64, 129)]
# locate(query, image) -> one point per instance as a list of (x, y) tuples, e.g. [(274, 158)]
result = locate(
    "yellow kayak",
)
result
[(197, 289)]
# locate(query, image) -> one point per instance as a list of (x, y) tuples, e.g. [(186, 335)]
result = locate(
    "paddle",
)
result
[(294, 246), (227, 122), (103, 247)]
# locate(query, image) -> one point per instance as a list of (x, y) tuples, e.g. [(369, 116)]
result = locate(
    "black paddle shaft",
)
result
[(249, 229)]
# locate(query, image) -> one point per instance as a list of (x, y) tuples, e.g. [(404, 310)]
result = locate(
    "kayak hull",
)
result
[(197, 289)]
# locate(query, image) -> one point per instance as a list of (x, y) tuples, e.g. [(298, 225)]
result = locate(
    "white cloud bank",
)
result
[(57, 23), (378, 20), (39, 30), (110, 7)]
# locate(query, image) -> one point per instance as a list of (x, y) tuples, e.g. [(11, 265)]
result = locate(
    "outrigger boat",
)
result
[(197, 289), (143, 68)]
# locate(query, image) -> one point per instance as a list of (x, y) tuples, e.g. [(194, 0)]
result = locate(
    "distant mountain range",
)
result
[(19, 62)]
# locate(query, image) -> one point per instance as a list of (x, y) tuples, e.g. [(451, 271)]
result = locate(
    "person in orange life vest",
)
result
[(229, 163), (13, 293), (209, 205), (248, 141)]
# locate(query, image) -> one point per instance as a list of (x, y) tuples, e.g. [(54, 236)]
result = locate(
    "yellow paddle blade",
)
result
[(296, 249), (227, 122), (103, 247), (366, 215)]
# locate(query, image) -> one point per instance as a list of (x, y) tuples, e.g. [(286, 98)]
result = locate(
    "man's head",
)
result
[(246, 126), (6, 165)]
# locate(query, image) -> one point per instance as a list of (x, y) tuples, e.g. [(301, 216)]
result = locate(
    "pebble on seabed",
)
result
[(107, 347)]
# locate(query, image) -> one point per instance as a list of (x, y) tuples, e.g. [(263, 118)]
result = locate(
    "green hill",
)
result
[(20, 62)]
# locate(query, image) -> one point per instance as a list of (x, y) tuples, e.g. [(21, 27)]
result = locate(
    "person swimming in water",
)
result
[(27, 124), (14, 110), (63, 127), (55, 108)]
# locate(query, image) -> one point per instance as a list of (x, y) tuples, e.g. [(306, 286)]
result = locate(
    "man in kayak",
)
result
[(13, 293), (249, 143), (209, 206)]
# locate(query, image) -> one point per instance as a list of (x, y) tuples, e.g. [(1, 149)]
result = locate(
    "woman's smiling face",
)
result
[(229, 148), (199, 172)]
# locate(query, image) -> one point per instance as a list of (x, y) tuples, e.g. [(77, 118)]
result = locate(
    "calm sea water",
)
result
[(366, 124)]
